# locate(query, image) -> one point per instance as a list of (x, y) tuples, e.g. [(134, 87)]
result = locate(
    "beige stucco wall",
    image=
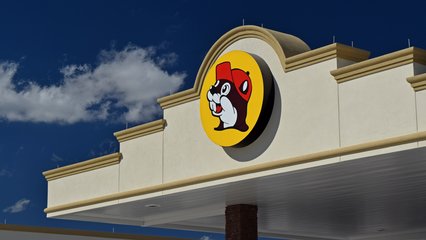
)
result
[(309, 111), (421, 113), (186, 147), (420, 103), (85, 185), (376, 107), (142, 162)]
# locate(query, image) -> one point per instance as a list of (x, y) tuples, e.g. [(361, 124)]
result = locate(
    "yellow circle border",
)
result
[(259, 105)]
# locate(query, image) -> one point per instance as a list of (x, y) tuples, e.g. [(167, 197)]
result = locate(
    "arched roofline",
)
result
[(285, 46)]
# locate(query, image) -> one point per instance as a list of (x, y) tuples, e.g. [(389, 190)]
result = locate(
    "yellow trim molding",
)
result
[(335, 50), (81, 233), (378, 64), (292, 52), (389, 142), (85, 166), (284, 45), (418, 82), (141, 130), (179, 98)]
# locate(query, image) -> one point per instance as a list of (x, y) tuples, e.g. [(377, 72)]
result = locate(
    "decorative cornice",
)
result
[(88, 165), (381, 63), (301, 60), (418, 82), (141, 130), (179, 98), (388, 142), (284, 45), (335, 50), (80, 233)]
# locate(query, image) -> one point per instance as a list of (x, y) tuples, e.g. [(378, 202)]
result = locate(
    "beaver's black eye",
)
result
[(226, 88), (216, 84), (244, 87)]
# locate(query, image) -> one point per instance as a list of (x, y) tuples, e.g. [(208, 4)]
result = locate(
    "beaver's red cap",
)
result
[(223, 71), (242, 82), (238, 77)]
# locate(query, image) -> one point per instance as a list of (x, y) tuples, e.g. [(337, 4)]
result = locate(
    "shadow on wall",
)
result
[(262, 143)]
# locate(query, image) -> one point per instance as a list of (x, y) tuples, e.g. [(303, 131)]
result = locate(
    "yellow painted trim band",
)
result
[(179, 98), (389, 142), (418, 82), (141, 130), (81, 233), (89, 165), (292, 52), (335, 50), (378, 64)]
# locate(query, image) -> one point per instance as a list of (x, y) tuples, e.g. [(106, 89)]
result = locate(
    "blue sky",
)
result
[(53, 54)]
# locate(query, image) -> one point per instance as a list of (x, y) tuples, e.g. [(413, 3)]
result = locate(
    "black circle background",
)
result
[(267, 105)]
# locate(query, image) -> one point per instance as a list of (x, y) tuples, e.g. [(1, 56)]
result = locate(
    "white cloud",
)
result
[(19, 206), (5, 173), (124, 86)]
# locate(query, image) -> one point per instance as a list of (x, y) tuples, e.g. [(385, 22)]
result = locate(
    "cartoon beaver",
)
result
[(229, 96)]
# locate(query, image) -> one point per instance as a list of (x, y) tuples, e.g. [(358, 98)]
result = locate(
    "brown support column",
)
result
[(241, 222)]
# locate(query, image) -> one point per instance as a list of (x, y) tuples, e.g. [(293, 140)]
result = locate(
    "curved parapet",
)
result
[(284, 45)]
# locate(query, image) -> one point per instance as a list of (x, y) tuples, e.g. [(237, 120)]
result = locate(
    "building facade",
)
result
[(320, 144)]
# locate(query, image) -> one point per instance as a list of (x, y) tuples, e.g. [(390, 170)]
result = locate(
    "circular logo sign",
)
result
[(236, 99)]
